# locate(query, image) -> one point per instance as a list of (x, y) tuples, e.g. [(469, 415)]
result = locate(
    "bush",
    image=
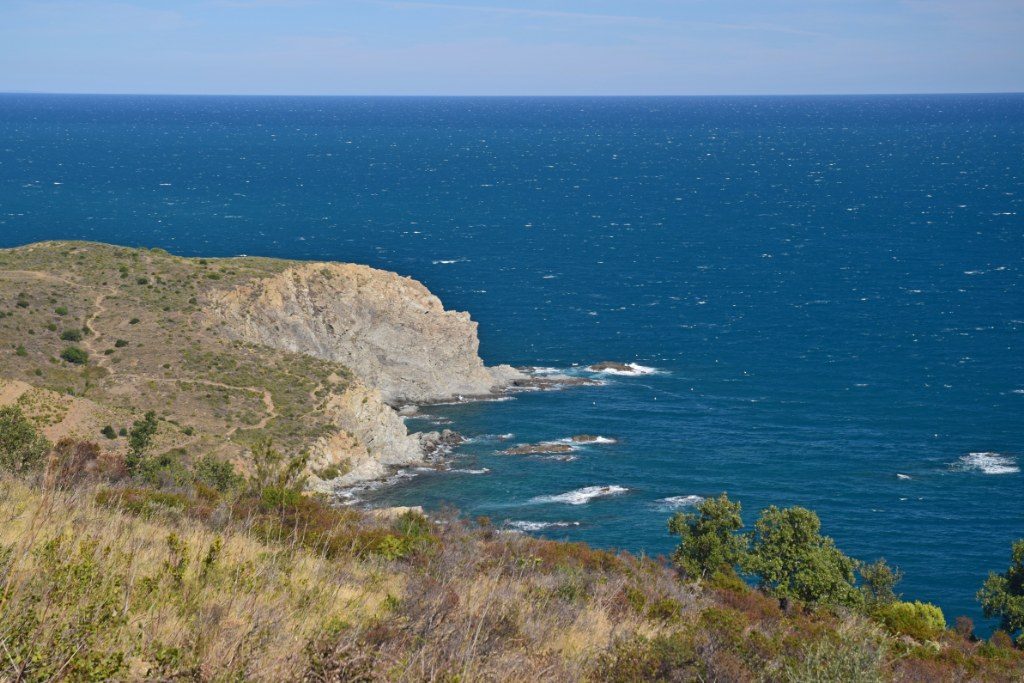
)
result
[(75, 355), (61, 310), (217, 474), (167, 470), (120, 343), (71, 462), (20, 351), (665, 657), (920, 620), (108, 432), (140, 438), (22, 447), (71, 335)]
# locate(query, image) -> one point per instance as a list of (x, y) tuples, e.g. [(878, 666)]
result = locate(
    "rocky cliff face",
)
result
[(390, 330)]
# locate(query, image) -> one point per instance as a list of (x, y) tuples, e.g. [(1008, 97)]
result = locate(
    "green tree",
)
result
[(22, 447), (708, 539), (793, 560), (878, 583), (139, 439), (1002, 595)]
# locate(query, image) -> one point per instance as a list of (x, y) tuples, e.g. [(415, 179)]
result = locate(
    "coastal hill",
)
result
[(166, 425), (226, 351)]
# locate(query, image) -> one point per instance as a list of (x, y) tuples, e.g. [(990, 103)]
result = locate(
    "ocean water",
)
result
[(829, 291)]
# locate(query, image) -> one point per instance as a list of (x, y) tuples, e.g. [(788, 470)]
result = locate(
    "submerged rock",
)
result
[(539, 449), (548, 382), (611, 365)]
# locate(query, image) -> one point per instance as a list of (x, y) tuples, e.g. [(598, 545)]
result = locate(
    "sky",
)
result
[(502, 47)]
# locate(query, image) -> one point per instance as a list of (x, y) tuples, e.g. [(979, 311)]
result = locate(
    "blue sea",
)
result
[(828, 292)]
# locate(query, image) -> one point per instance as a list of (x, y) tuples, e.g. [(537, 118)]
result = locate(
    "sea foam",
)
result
[(988, 463), (526, 525), (581, 496), (682, 501)]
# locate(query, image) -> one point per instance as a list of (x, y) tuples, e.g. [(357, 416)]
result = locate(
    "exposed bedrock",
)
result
[(390, 330)]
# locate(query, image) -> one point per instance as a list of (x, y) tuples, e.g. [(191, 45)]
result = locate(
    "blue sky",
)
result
[(501, 47)]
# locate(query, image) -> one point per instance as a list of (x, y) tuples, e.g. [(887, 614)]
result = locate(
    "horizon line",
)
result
[(512, 95)]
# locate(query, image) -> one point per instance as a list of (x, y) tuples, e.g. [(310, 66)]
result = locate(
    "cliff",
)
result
[(228, 351), (390, 330)]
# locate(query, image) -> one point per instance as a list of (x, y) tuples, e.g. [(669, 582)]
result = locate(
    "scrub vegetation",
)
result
[(168, 570)]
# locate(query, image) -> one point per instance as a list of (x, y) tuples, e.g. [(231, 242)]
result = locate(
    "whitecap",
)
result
[(482, 470), (903, 476), (526, 525), (635, 369), (581, 496), (987, 463), (682, 501)]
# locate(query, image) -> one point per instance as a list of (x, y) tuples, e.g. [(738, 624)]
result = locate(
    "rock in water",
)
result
[(611, 365), (539, 449)]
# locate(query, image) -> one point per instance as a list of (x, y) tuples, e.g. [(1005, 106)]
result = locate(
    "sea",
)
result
[(823, 297)]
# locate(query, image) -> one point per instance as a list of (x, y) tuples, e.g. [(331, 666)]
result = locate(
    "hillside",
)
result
[(312, 355)]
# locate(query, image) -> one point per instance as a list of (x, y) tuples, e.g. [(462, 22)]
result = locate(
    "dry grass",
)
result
[(127, 583)]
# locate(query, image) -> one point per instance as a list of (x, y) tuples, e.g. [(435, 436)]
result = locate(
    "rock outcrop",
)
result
[(390, 330)]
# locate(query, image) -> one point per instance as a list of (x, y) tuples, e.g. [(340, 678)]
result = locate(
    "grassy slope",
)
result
[(224, 393), (130, 583)]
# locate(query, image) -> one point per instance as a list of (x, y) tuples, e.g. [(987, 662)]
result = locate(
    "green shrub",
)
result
[(20, 351), (139, 440), (22, 447), (670, 657), (108, 432), (71, 335), (120, 344), (920, 620), (75, 355), (61, 310), (842, 657), (217, 474), (167, 470)]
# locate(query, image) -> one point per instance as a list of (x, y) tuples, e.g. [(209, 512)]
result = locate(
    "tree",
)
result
[(708, 539), (1002, 595), (139, 439), (879, 583), (793, 560), (22, 447)]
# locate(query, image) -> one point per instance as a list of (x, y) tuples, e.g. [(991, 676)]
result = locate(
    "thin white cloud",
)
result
[(636, 20)]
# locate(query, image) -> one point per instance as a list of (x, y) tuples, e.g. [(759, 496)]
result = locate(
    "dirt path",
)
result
[(90, 341), (268, 398)]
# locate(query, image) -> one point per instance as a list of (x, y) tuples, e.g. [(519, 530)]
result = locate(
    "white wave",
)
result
[(682, 501), (581, 496), (482, 470), (448, 262), (1017, 391), (635, 370), (526, 525), (903, 476), (988, 463), (596, 440)]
